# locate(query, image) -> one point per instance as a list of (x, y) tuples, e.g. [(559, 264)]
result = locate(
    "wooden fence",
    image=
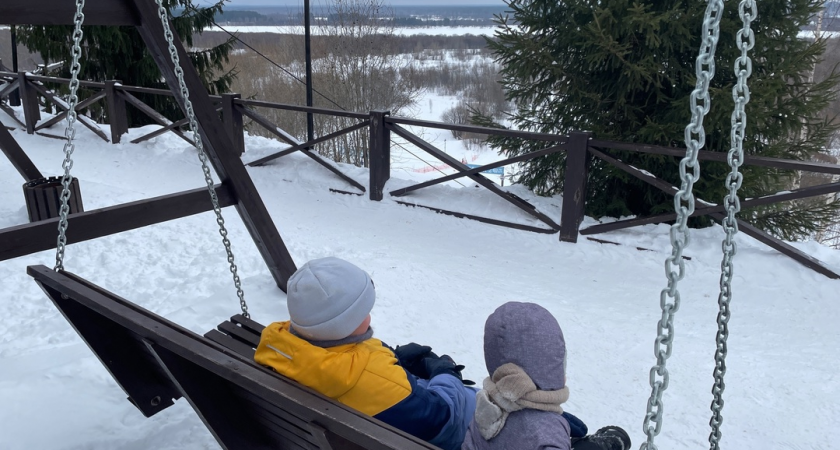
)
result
[(580, 148)]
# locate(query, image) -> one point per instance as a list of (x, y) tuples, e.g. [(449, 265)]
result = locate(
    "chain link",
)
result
[(70, 134), (741, 95), (202, 155), (669, 298)]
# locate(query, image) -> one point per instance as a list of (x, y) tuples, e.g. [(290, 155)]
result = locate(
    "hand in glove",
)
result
[(445, 365), (411, 358)]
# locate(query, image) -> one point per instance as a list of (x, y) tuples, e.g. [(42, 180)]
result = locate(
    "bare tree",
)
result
[(359, 70)]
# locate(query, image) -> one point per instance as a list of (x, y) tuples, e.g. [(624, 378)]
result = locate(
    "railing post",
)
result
[(232, 118), (380, 154), (117, 116), (29, 98), (574, 186)]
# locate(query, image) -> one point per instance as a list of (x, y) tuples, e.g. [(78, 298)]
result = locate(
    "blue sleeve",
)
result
[(576, 426), (423, 413), (461, 402), (437, 410)]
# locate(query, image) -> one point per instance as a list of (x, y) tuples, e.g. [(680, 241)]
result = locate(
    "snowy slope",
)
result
[(437, 278)]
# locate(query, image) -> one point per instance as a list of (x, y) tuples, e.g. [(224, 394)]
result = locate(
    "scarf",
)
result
[(510, 389)]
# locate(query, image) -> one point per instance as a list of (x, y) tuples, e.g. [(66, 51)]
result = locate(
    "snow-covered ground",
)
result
[(437, 277)]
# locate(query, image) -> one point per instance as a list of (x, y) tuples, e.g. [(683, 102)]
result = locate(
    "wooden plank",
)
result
[(501, 223), (305, 145), (11, 113), (273, 129), (292, 397), (289, 107), (393, 120), (478, 178), (705, 155), (232, 118), (35, 237), (61, 12), (254, 327), (117, 117), (80, 107), (223, 413), (240, 334), (379, 152), (761, 236), (29, 99), (8, 88), (783, 248), (25, 167), (219, 148), (810, 191), (643, 249), (230, 343), (265, 123), (574, 186), (172, 126), (91, 125), (516, 159), (156, 116)]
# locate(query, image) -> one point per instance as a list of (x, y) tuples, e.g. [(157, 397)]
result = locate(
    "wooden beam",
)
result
[(478, 178), (749, 230), (309, 144), (79, 107), (501, 223), (515, 159), (220, 149), (706, 155), (265, 123), (172, 126), (18, 157), (35, 237), (90, 124), (574, 186), (783, 248), (60, 12), (810, 191), (154, 115)]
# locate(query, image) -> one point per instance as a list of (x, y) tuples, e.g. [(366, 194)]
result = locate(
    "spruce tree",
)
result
[(119, 53), (625, 69)]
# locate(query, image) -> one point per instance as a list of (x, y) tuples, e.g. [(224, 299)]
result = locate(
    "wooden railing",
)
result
[(580, 147)]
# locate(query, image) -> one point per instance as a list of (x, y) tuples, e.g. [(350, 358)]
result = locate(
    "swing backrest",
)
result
[(244, 405)]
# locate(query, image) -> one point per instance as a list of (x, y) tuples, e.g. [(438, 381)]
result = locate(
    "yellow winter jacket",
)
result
[(364, 376)]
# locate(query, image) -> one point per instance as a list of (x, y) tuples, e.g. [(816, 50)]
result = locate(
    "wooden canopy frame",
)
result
[(242, 404), (236, 187)]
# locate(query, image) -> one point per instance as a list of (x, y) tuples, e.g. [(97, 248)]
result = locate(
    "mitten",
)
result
[(411, 356), (445, 365)]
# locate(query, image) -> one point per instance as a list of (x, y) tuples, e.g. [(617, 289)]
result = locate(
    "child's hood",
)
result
[(527, 335)]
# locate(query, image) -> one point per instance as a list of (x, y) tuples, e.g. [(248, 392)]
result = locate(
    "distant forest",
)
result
[(403, 16)]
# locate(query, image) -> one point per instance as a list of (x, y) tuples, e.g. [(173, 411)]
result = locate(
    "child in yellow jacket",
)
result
[(328, 345)]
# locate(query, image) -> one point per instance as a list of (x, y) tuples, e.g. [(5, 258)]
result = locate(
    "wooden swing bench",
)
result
[(244, 405)]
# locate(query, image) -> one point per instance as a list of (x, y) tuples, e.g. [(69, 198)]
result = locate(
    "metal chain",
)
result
[(202, 155), (695, 138), (70, 134), (741, 95)]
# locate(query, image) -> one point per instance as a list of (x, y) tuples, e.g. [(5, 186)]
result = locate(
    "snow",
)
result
[(402, 31), (437, 278)]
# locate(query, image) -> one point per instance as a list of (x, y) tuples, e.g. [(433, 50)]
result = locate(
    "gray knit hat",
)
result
[(329, 298)]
